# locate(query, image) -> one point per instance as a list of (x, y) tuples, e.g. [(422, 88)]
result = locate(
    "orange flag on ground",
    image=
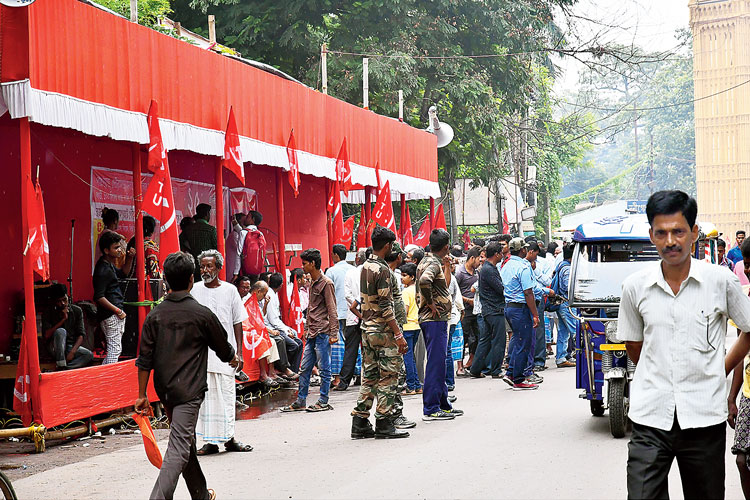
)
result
[(232, 152), (291, 154), (159, 200), (254, 334)]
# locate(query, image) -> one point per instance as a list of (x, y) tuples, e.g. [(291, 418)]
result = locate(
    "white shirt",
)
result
[(681, 367), (225, 302), (273, 315), (353, 293), (477, 310), (233, 250), (337, 273), (457, 302)]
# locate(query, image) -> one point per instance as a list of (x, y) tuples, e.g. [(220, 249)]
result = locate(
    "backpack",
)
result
[(554, 306), (254, 253)]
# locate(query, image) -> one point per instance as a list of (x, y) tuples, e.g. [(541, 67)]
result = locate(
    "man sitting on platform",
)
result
[(63, 329), (277, 326)]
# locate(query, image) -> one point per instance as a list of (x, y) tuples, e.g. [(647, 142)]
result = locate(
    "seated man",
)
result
[(276, 325), (63, 330)]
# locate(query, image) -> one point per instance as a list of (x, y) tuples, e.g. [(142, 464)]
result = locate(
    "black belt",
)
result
[(517, 305)]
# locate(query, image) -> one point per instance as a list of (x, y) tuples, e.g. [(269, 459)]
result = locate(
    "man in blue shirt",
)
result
[(567, 322), (735, 255), (542, 278), (520, 309), (337, 274)]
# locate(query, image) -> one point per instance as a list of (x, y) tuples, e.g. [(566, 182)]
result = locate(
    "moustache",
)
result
[(673, 248), (208, 277)]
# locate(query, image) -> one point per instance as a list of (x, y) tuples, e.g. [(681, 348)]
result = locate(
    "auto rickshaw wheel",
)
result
[(618, 407), (597, 407)]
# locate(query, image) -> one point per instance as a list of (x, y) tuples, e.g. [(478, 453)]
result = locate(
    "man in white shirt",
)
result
[(673, 319), (276, 326), (233, 247), (216, 417), (337, 274), (352, 332)]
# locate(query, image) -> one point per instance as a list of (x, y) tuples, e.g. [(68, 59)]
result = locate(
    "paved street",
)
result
[(541, 444)]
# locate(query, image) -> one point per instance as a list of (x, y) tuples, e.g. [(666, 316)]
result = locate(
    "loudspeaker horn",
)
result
[(443, 131)]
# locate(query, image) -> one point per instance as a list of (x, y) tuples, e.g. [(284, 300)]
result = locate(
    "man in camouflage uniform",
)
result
[(394, 260), (382, 345)]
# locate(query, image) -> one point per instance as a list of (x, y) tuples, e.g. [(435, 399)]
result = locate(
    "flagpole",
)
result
[(140, 254), (403, 216), (219, 189), (368, 213), (282, 240), (328, 224), (432, 214), (32, 352)]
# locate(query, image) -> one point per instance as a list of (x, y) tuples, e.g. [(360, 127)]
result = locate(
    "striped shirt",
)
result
[(681, 367)]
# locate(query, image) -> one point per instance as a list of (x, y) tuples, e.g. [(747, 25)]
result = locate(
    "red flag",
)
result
[(254, 334), (27, 376), (467, 240), (158, 200), (362, 230), (439, 218), (343, 170), (506, 224), (296, 316), (37, 245), (383, 212), (348, 232), (408, 238), (423, 236), (334, 207), (232, 152), (377, 174), (291, 153)]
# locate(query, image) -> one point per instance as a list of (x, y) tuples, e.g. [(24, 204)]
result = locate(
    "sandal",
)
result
[(208, 449), (234, 445), (296, 406), (319, 407)]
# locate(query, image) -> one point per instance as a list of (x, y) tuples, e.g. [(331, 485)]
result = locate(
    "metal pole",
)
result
[(432, 214), (133, 11), (400, 105), (140, 254), (368, 213), (365, 83), (329, 225), (324, 67), (219, 188), (402, 229), (284, 299), (72, 246)]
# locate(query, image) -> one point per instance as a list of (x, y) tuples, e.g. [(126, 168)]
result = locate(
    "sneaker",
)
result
[(452, 399), (438, 415), (451, 388), (534, 379), (539, 368), (401, 422), (508, 380), (525, 386), (455, 412)]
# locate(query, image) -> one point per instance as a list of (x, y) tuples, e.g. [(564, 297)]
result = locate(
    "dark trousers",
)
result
[(283, 362), (450, 374), (540, 340), (521, 342), (699, 453), (435, 392), (352, 339), (470, 326), (293, 351), (491, 347), (181, 457)]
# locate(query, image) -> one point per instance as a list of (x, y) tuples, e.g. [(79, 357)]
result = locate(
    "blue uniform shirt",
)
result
[(735, 255), (540, 288), (517, 276)]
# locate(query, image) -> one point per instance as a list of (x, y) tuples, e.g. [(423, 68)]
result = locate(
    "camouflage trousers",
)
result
[(382, 372)]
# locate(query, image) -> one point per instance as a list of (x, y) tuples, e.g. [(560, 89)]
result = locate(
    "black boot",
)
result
[(384, 429), (361, 428)]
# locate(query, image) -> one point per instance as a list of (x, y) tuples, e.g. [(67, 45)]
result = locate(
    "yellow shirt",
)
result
[(412, 311)]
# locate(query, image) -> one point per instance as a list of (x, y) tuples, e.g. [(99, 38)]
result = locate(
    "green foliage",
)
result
[(148, 10)]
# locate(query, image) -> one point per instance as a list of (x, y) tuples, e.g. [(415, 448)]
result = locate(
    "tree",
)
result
[(148, 10)]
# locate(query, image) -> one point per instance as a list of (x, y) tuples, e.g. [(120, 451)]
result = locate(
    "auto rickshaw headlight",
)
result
[(611, 332)]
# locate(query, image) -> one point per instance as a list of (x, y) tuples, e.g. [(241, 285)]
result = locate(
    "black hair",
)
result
[(439, 238), (457, 251), (533, 246), (672, 202), (149, 226), (740, 232), (275, 280), (368, 252), (474, 251), (339, 251), (243, 277), (185, 222), (417, 255), (393, 256), (312, 255), (427, 249), (568, 251), (107, 239), (264, 276), (58, 291), (552, 247), (721, 243), (239, 218), (256, 216), (493, 249), (745, 249), (381, 236), (542, 250), (409, 269), (178, 268), (505, 237), (203, 211), (109, 216), (480, 242), (296, 274)]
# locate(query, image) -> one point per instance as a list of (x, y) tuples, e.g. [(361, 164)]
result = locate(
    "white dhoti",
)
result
[(272, 353), (216, 417)]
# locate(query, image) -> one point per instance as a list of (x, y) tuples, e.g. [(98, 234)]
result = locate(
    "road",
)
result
[(536, 444)]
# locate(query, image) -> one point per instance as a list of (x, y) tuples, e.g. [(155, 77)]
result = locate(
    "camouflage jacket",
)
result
[(377, 295), (398, 301), (432, 287)]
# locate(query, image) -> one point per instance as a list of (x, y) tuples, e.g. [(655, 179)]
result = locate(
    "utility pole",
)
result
[(366, 82), (324, 67), (651, 165), (133, 11)]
